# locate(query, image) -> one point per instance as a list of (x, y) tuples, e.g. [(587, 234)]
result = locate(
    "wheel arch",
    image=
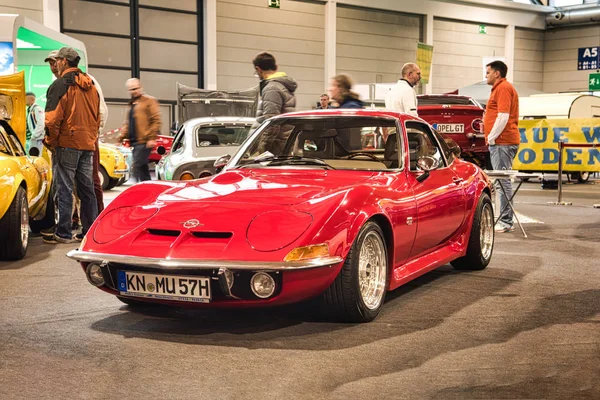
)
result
[(388, 232)]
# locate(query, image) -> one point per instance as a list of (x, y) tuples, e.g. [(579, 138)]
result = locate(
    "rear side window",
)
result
[(233, 135)]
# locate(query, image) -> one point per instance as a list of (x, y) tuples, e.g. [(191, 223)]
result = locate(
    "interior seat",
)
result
[(390, 154)]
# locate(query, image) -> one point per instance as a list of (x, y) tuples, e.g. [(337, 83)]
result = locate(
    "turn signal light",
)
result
[(308, 252), (186, 176)]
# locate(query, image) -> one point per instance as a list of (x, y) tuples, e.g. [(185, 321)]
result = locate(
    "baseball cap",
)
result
[(68, 53), (51, 56)]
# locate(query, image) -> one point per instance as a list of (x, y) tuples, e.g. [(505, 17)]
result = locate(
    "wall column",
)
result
[(330, 40), (428, 39), (51, 14), (210, 44), (509, 51)]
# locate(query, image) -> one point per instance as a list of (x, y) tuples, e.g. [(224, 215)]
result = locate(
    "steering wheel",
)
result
[(363, 154)]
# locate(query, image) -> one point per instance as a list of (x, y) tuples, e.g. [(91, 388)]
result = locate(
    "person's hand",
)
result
[(150, 144)]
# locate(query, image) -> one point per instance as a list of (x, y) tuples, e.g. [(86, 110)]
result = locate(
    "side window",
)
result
[(422, 143), (446, 144), (19, 150), (4, 147), (179, 139)]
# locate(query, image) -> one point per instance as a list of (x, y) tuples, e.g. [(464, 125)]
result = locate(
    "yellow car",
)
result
[(113, 166), (25, 200)]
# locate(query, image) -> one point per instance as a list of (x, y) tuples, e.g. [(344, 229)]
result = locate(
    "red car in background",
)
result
[(459, 118), (162, 140)]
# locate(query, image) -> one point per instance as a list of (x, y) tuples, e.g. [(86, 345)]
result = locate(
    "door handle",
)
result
[(457, 180)]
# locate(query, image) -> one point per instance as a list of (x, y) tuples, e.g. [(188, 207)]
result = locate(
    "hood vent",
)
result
[(164, 232), (212, 235)]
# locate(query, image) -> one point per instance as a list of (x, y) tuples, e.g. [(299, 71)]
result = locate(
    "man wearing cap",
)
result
[(35, 123), (51, 59), (72, 124)]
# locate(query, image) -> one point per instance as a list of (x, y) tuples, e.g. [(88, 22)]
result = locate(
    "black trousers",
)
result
[(141, 153)]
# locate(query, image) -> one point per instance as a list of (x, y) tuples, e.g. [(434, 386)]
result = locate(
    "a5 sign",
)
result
[(588, 58)]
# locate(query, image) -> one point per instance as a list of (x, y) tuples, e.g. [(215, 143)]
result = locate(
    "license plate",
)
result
[(450, 128), (166, 287)]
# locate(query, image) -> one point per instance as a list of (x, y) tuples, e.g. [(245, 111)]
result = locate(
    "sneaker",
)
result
[(79, 237), (48, 231), (75, 225), (503, 228), (57, 240)]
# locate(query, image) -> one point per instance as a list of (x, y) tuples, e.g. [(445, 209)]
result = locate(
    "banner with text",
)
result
[(424, 57), (539, 145)]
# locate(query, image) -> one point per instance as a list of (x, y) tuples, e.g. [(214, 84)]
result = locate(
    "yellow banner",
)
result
[(539, 145), (424, 56)]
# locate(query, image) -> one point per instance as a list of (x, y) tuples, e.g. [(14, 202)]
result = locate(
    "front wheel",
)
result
[(581, 177), (481, 241), (14, 228), (104, 178), (358, 292)]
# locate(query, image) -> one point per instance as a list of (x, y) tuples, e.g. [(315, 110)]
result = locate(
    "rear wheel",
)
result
[(358, 292), (49, 219), (581, 177), (112, 182), (104, 178), (481, 241), (14, 228)]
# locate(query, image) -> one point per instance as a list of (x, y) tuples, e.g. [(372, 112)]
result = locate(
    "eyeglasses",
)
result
[(133, 88)]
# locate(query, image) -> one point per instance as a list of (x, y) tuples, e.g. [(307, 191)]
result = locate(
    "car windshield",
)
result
[(330, 142)]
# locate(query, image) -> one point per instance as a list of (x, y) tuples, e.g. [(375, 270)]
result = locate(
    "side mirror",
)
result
[(161, 150), (34, 152), (221, 162), (426, 164)]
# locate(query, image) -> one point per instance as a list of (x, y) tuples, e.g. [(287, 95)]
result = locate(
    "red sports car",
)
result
[(459, 118), (301, 211), (161, 140)]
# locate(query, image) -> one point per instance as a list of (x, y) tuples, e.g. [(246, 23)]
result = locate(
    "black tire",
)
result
[(343, 299), (49, 219), (581, 177), (104, 178), (112, 182), (121, 181), (13, 239), (475, 259)]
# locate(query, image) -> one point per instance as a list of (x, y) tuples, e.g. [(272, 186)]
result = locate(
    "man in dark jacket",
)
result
[(72, 121), (141, 127), (276, 89)]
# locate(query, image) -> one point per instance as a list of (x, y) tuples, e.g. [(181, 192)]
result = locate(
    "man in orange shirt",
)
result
[(500, 126)]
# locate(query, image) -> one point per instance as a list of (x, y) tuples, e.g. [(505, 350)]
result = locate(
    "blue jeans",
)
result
[(72, 165), (141, 153), (502, 157)]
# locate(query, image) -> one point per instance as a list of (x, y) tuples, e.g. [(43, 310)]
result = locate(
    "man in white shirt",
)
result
[(402, 96)]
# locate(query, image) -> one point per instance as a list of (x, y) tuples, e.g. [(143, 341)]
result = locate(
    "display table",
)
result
[(513, 175)]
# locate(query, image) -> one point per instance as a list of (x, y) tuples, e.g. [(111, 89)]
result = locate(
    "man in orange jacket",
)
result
[(72, 121)]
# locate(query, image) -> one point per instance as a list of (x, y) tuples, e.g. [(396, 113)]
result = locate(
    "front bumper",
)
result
[(162, 264)]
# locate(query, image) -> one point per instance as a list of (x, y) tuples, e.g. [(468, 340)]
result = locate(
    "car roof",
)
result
[(213, 120), (350, 112)]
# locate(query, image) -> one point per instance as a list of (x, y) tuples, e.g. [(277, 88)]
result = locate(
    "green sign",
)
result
[(482, 29), (594, 82), (274, 3)]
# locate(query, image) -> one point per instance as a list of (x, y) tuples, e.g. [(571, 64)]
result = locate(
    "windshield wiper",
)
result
[(279, 160)]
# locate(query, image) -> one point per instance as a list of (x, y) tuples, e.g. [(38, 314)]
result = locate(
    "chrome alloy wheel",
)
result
[(24, 224), (486, 231), (372, 273)]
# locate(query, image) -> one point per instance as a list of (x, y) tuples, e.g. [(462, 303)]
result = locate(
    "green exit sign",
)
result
[(482, 29), (274, 3), (594, 82)]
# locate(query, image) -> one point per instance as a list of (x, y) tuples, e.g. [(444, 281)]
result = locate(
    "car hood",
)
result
[(264, 186)]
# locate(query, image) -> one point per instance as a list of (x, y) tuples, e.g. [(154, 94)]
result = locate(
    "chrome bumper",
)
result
[(160, 263)]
